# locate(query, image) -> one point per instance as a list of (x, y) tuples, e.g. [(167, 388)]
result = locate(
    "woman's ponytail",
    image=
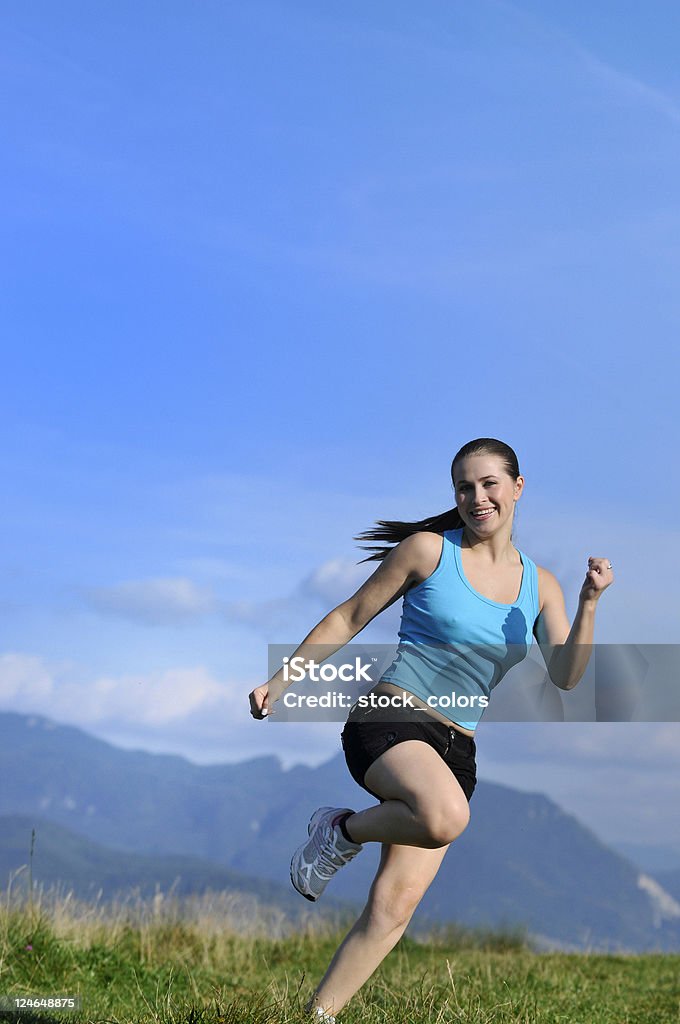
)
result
[(393, 531)]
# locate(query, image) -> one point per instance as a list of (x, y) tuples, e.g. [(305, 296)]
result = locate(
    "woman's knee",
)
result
[(444, 822), (390, 906)]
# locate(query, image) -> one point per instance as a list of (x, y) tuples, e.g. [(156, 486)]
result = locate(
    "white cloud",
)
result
[(152, 700), (184, 710), (638, 745), (622, 779), (336, 580), (24, 678), (313, 597), (166, 601)]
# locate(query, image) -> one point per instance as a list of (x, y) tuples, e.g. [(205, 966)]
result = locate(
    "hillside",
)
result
[(522, 860)]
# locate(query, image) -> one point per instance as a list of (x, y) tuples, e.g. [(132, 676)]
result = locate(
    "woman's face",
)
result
[(485, 493)]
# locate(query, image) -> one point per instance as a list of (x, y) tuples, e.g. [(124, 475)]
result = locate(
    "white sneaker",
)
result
[(315, 862), (323, 1016)]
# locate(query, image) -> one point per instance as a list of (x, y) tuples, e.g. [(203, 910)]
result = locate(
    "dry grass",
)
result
[(226, 958)]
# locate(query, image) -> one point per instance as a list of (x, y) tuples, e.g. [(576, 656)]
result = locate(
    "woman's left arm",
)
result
[(567, 650)]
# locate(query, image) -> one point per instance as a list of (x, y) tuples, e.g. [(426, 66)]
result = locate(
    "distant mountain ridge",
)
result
[(651, 858), (60, 855), (521, 860), (670, 881), (89, 870)]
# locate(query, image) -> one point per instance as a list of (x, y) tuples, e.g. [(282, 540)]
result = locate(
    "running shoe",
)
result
[(315, 862), (323, 1016)]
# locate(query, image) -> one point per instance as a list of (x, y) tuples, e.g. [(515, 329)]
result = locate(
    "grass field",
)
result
[(219, 959)]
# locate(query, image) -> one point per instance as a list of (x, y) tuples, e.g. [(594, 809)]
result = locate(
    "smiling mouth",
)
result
[(484, 514)]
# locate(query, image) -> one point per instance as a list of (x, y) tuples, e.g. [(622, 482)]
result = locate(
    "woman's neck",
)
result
[(498, 548)]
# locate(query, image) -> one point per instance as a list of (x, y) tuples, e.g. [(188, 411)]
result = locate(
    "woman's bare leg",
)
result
[(404, 875), (415, 777), (424, 803)]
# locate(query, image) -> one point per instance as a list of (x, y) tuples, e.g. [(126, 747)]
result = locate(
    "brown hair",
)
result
[(394, 531)]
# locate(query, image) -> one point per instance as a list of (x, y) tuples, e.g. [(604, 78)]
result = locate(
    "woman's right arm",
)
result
[(411, 561)]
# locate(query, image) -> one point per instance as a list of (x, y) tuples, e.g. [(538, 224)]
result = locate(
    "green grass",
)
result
[(206, 961)]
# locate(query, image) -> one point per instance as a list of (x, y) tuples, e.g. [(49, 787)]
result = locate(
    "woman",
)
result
[(463, 582)]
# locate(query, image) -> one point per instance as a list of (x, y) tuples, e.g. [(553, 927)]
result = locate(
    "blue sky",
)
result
[(267, 267)]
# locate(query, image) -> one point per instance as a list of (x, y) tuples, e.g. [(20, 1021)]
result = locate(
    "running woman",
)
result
[(462, 582)]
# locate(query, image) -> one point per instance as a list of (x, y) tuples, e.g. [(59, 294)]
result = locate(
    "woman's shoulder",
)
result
[(423, 550), (548, 584), (545, 574)]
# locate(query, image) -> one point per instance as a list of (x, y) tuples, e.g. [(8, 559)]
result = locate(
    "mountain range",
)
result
[(106, 817)]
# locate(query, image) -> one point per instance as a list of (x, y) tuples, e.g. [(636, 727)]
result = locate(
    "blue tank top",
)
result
[(455, 641)]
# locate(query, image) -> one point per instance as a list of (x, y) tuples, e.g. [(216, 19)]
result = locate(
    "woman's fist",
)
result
[(598, 578), (259, 698)]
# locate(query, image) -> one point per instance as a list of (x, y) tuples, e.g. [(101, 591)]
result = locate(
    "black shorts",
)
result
[(365, 737)]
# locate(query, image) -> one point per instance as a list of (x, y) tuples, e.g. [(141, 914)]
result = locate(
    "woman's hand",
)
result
[(259, 701), (598, 578)]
